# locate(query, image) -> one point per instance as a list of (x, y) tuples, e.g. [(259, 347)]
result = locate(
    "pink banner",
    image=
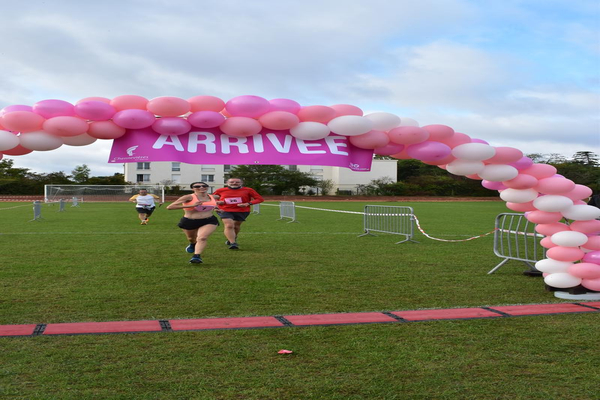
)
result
[(211, 146)]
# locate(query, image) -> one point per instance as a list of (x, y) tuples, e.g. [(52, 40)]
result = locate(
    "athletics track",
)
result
[(83, 328)]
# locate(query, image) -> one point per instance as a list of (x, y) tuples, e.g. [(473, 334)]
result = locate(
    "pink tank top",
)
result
[(206, 206)]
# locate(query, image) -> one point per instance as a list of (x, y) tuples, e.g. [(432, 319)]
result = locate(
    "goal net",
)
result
[(88, 193)]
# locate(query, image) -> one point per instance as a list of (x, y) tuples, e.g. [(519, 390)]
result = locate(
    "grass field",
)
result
[(96, 263)]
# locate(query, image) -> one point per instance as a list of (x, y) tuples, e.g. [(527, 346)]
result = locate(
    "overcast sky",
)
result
[(520, 73)]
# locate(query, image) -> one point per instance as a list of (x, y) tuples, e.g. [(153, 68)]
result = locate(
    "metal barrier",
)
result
[(287, 209), (390, 219), (76, 202), (256, 208), (37, 211), (61, 204), (515, 238)]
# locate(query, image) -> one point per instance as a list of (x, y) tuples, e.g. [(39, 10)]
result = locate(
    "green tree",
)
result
[(586, 157), (326, 186), (273, 179), (81, 173), (116, 179)]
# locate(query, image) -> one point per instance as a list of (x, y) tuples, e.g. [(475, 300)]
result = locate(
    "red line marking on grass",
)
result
[(536, 309), (452, 313), (345, 318), (102, 327), (224, 323), (17, 330)]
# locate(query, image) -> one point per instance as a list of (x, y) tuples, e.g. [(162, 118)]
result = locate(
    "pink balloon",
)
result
[(65, 126), (247, 106), (505, 155), (540, 171), (408, 135), (168, 106), (101, 99), (555, 185), (171, 126), (578, 192), (592, 257), (439, 132), (587, 227), (521, 207), (322, 114), (478, 141), (279, 120), (240, 126), (17, 151), (206, 103), (105, 130), (16, 107), (585, 270), (522, 181), (388, 150), (492, 185), (129, 101), (428, 150), (543, 217), (94, 110), (400, 155), (551, 229), (346, 109), (285, 105), (593, 243), (206, 119), (23, 121), (474, 177), (134, 119), (370, 140), (523, 163), (591, 284), (561, 253), (456, 140), (547, 243), (443, 161), (54, 108)]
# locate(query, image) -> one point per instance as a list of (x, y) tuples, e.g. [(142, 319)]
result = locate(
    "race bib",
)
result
[(233, 200)]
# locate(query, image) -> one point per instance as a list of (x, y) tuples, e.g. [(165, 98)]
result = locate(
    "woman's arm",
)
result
[(178, 204)]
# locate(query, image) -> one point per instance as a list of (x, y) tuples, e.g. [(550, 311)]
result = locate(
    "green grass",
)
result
[(96, 263)]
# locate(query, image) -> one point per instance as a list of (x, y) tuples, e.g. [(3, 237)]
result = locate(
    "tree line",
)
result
[(414, 178)]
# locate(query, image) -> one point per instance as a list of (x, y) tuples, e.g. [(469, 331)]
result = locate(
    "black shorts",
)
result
[(192, 224), (236, 216), (147, 211)]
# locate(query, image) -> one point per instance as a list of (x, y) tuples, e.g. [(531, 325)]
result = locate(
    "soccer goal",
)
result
[(88, 193)]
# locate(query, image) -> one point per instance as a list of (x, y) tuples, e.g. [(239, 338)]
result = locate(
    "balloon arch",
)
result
[(549, 200)]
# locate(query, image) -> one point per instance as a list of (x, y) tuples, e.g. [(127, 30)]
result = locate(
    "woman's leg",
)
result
[(202, 236)]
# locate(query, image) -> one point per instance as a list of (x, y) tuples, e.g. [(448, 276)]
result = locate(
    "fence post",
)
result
[(390, 219), (515, 238)]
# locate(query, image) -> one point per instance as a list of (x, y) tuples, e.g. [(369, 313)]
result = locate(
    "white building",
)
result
[(178, 173)]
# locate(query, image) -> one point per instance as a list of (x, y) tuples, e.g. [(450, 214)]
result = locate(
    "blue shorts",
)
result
[(236, 216)]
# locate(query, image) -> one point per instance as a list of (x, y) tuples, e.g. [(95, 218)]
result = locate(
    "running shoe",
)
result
[(196, 260), (190, 248), (234, 246)]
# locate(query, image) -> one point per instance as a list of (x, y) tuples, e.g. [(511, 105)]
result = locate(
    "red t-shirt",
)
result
[(233, 197)]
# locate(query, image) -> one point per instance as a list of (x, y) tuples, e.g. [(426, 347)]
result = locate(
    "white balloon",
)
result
[(552, 203), (473, 151), (551, 266), (498, 172), (408, 122), (40, 141), (80, 140), (310, 130), (8, 140), (350, 125), (569, 238), (383, 121), (463, 167), (518, 195), (562, 280), (581, 212)]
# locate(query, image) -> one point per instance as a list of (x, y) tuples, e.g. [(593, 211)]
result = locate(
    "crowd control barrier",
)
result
[(390, 219), (515, 238), (287, 210)]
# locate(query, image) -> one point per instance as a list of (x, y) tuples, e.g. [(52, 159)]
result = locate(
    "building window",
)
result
[(208, 178), (176, 178), (143, 165), (143, 178), (226, 168), (316, 168), (175, 166), (292, 167), (208, 169)]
